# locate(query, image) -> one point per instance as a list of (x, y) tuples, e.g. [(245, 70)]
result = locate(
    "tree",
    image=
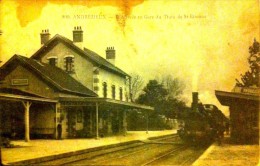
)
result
[(174, 86), (175, 103), (251, 77), (136, 85), (154, 95), (165, 97)]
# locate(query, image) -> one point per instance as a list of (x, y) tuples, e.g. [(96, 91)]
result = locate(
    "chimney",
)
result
[(195, 100), (45, 36), (111, 55), (78, 36)]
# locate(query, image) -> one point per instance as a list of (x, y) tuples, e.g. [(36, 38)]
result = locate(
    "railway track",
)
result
[(165, 150), (174, 150), (127, 152), (114, 159), (183, 155), (105, 155)]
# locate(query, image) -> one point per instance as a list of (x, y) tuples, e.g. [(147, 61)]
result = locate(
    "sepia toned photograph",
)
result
[(130, 82)]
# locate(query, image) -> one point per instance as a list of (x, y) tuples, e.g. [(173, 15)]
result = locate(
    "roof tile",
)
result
[(56, 76)]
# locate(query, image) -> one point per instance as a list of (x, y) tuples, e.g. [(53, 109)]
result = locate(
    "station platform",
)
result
[(228, 154), (42, 147)]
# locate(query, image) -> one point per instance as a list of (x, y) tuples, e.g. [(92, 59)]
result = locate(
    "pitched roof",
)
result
[(51, 74), (227, 98), (92, 56)]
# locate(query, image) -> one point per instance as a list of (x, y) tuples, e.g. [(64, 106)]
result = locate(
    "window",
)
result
[(52, 61), (113, 91), (69, 63), (121, 93), (105, 90)]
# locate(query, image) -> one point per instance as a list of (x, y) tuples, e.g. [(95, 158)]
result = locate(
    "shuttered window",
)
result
[(69, 63), (52, 61)]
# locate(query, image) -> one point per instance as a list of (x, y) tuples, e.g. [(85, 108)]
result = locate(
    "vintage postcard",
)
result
[(129, 82)]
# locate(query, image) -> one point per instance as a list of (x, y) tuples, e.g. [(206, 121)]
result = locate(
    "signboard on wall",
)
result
[(20, 82)]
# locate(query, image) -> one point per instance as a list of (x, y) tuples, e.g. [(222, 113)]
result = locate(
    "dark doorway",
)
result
[(12, 120)]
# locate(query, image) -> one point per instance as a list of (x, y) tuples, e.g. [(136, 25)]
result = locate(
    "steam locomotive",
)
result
[(204, 123)]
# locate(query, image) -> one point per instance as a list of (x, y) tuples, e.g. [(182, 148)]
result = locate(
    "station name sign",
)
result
[(248, 90), (20, 82)]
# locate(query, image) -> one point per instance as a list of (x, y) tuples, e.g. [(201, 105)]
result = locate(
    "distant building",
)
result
[(64, 83), (244, 107)]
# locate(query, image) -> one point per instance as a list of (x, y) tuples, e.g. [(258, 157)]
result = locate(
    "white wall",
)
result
[(84, 72), (112, 79), (83, 69)]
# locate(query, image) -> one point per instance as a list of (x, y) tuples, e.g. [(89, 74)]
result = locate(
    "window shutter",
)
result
[(72, 65)]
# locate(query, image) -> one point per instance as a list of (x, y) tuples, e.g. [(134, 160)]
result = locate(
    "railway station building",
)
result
[(64, 87), (244, 107)]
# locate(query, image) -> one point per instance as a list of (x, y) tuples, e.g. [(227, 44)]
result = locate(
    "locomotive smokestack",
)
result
[(195, 100)]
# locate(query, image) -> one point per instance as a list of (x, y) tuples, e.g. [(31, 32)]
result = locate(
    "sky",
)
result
[(203, 43)]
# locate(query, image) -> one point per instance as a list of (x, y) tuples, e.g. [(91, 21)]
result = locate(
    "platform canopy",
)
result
[(74, 101), (26, 98), (225, 98), (16, 97)]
